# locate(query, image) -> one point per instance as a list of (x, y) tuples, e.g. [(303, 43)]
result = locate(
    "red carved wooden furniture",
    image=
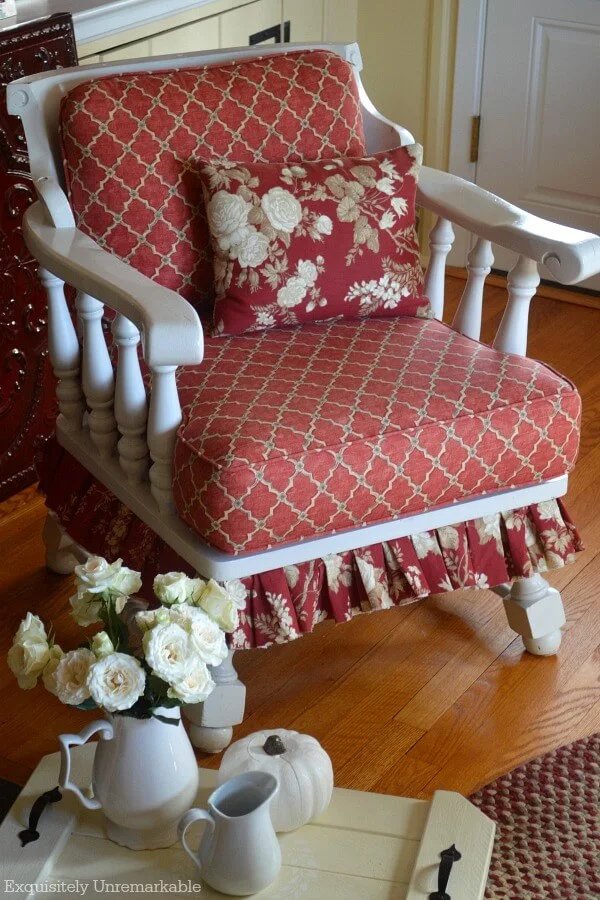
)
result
[(27, 387)]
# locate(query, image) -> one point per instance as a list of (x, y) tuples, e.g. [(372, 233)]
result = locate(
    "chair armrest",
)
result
[(570, 255), (170, 328)]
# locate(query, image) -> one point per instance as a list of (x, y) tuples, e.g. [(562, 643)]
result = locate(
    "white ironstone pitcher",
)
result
[(239, 852), (145, 777)]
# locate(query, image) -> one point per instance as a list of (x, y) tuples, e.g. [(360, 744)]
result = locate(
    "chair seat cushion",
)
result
[(300, 432)]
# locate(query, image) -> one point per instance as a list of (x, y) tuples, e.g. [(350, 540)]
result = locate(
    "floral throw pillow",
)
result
[(314, 241)]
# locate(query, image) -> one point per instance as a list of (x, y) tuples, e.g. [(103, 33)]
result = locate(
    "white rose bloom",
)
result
[(292, 293), (116, 681), (227, 212), (49, 673), (307, 271), (252, 252), (282, 209), (195, 687), (196, 589), (237, 592), (173, 587), (31, 628), (324, 225), (102, 645), (29, 653), (148, 618), (96, 574), (168, 650), (206, 636), (220, 606), (126, 581), (85, 608), (70, 676)]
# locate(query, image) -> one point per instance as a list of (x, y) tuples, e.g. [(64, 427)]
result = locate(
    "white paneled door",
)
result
[(540, 111)]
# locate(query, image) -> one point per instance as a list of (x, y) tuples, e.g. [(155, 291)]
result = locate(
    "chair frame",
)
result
[(105, 421)]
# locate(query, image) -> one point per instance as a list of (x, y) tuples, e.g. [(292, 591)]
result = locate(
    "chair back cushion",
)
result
[(134, 143)]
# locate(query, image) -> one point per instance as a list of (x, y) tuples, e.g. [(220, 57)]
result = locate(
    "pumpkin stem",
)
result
[(274, 746)]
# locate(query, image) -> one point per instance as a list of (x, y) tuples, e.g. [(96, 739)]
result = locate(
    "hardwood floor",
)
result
[(438, 694)]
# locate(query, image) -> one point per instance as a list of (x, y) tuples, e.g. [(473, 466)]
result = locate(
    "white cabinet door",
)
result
[(305, 19), (128, 51), (202, 35), (540, 111), (257, 23)]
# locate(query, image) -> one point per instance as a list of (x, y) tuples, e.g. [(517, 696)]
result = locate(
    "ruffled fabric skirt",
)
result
[(284, 604)]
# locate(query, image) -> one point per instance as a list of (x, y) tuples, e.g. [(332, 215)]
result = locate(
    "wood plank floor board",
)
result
[(521, 703), (436, 694)]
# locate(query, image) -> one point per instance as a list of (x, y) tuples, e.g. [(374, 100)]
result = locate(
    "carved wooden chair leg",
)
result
[(535, 611), (211, 722), (62, 553)]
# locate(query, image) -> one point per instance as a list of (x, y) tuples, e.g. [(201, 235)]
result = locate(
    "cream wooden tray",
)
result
[(365, 847)]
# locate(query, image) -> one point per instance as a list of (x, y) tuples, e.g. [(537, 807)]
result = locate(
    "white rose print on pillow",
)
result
[(301, 243)]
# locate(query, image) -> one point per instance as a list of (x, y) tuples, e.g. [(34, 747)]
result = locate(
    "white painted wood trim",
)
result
[(466, 102), (570, 254), (438, 99), (212, 563), (170, 327)]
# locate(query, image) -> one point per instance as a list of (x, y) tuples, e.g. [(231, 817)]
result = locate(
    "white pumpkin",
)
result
[(299, 763)]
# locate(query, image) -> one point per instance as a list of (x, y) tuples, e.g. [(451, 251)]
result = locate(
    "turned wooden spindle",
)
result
[(131, 406), (65, 354), (164, 419), (97, 376), (467, 319), (523, 280), (441, 238)]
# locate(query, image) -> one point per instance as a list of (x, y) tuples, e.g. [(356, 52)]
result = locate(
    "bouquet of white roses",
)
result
[(167, 667)]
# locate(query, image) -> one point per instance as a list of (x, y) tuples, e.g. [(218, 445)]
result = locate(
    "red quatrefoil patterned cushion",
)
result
[(133, 145), (316, 241), (298, 432)]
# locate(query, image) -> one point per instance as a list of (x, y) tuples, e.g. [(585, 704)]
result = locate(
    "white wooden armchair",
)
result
[(123, 428)]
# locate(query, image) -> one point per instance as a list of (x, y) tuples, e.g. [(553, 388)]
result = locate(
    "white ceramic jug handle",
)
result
[(67, 741), (193, 816)]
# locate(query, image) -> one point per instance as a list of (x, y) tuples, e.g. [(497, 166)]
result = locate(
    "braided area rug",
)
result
[(547, 814)]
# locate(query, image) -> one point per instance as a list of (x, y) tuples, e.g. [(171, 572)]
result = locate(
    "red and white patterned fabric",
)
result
[(292, 433), (133, 145), (317, 241), (284, 604)]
